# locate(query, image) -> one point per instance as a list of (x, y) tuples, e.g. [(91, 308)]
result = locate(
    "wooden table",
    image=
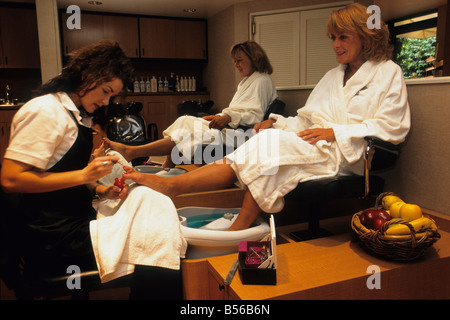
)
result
[(328, 268)]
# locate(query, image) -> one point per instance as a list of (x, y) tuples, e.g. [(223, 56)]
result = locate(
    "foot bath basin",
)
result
[(205, 230)]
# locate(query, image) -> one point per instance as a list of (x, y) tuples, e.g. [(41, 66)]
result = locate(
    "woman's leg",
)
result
[(248, 213), (213, 176), (161, 147)]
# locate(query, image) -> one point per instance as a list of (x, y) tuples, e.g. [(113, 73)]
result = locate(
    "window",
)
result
[(296, 43), (414, 40)]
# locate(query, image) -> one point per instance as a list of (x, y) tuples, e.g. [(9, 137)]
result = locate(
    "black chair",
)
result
[(277, 106), (313, 196), (126, 124)]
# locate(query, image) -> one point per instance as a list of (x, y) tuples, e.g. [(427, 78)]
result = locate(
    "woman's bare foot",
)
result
[(163, 185), (120, 148), (168, 162)]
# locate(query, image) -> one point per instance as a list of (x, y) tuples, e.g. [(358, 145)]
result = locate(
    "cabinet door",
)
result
[(19, 37), (156, 110), (190, 39), (157, 38), (124, 30), (91, 31)]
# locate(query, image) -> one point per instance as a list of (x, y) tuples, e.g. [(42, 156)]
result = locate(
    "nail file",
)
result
[(231, 273)]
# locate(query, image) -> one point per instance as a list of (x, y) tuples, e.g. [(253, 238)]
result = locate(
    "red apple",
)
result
[(378, 223)]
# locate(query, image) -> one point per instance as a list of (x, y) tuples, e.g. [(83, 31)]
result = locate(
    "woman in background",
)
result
[(254, 94), (364, 96)]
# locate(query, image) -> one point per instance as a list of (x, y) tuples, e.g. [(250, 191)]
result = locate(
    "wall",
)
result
[(231, 26), (422, 173)]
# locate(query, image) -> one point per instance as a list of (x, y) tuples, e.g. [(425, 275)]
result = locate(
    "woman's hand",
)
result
[(98, 168), (112, 191), (314, 135), (218, 122), (264, 125)]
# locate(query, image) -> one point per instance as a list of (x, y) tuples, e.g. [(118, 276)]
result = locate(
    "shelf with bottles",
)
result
[(172, 84)]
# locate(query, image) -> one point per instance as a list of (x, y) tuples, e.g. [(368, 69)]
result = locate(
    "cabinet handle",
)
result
[(6, 60)]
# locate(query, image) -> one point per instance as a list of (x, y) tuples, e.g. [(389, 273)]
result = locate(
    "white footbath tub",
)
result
[(207, 236)]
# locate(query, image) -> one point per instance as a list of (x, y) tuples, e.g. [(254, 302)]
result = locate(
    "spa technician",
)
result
[(364, 96), (47, 162), (254, 94)]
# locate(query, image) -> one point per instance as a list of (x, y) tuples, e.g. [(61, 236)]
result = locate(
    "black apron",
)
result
[(57, 231)]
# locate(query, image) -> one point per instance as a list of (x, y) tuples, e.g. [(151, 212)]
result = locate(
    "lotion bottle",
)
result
[(147, 85), (136, 85), (154, 84)]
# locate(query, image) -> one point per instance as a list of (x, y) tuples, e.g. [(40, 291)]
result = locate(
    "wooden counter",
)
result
[(329, 268)]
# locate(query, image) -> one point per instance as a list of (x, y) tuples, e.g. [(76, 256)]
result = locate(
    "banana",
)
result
[(419, 224)]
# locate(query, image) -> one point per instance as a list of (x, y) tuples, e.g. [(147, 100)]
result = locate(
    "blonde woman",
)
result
[(254, 94)]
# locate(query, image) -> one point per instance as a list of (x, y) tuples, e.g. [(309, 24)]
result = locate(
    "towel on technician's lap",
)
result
[(143, 229)]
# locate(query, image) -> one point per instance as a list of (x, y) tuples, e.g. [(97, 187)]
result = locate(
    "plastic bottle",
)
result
[(160, 85), (154, 84), (148, 87), (166, 85), (194, 84), (172, 83), (177, 84), (142, 84), (136, 86), (183, 84)]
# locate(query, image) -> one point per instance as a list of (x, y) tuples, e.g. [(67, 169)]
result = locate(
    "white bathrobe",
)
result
[(248, 106), (372, 103)]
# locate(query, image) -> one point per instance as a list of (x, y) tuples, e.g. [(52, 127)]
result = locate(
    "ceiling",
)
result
[(390, 9)]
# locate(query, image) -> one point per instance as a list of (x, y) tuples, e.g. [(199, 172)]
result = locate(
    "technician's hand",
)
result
[(98, 168), (112, 191), (317, 134)]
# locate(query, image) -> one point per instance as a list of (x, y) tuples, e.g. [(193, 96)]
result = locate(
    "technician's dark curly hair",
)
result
[(90, 66)]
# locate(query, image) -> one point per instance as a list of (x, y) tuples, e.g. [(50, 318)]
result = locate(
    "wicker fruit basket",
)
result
[(394, 247)]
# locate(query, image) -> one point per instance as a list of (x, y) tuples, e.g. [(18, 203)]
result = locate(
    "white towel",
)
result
[(143, 229)]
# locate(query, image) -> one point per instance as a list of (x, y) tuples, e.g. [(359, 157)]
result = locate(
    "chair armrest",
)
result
[(381, 144), (387, 154)]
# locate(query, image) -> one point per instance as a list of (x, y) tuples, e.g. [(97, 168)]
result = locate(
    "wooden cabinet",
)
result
[(91, 31), (140, 37), (157, 38), (190, 39), (95, 27), (19, 40), (174, 39), (124, 30)]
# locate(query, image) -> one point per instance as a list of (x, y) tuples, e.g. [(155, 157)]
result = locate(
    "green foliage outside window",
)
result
[(413, 54)]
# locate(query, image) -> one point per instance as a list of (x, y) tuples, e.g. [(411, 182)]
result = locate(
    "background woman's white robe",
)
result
[(248, 106), (373, 102)]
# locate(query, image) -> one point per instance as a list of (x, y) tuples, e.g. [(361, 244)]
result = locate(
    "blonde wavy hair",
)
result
[(257, 55), (353, 18)]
